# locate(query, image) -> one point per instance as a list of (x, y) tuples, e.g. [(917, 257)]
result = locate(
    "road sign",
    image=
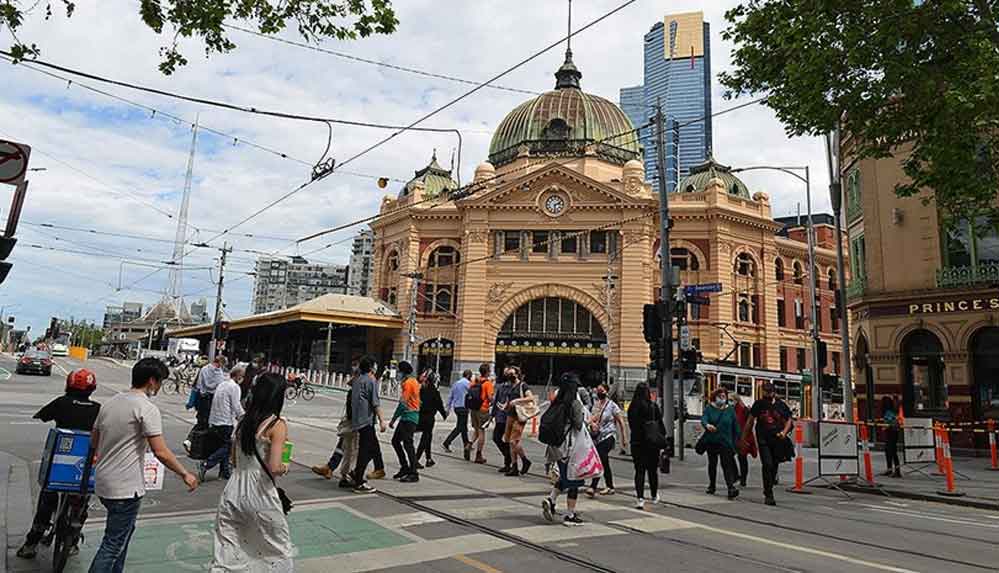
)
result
[(702, 289), (684, 337), (698, 300), (13, 162)]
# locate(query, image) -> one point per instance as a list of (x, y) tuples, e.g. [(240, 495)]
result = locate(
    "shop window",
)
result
[(598, 242), (684, 259), (570, 242), (539, 240), (985, 372), (779, 269), (924, 389), (744, 265)]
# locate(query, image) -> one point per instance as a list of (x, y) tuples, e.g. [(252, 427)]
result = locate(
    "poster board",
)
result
[(918, 443), (838, 453)]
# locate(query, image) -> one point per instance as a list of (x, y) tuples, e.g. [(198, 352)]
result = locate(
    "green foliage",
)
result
[(315, 20), (915, 79)]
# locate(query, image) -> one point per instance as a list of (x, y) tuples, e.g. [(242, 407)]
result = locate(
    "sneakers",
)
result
[(410, 478), (376, 474), (345, 484), (187, 446), (526, 467), (733, 493), (658, 500), (431, 463), (468, 452), (323, 471), (770, 501), (419, 466), (548, 509), (202, 472), (607, 491), (640, 504), (28, 551), (572, 520), (364, 488)]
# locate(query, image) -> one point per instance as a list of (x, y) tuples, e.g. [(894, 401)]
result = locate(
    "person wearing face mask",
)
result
[(721, 433), (772, 420), (605, 423)]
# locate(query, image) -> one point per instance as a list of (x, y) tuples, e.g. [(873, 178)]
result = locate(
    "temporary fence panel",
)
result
[(918, 441), (838, 449)]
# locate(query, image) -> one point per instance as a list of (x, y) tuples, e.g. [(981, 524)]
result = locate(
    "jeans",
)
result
[(402, 443), (460, 428), (646, 462), (220, 457), (367, 450), (118, 531), (768, 467), (604, 448), (727, 463), (503, 447)]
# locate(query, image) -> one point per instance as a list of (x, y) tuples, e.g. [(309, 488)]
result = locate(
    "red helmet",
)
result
[(81, 380)]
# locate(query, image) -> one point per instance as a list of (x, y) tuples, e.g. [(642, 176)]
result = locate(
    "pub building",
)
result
[(923, 300)]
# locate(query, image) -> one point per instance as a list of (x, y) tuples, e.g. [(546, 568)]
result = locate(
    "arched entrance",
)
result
[(924, 391), (984, 350), (863, 365), (552, 335), (437, 354)]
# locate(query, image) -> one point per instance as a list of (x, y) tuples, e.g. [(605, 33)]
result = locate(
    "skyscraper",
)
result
[(677, 73)]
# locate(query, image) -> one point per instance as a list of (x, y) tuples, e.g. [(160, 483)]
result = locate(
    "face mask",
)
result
[(601, 395), (720, 401)]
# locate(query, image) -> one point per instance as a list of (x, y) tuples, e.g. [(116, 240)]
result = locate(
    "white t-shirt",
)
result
[(226, 408), (125, 423)]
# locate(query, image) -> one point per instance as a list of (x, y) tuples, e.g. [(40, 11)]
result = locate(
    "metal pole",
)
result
[(610, 318), (329, 345), (816, 375), (407, 352), (664, 375), (836, 197), (218, 303), (437, 367)]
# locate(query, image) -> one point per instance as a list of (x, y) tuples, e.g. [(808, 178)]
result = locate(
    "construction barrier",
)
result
[(992, 446), (948, 464), (919, 441), (799, 460), (866, 448), (838, 449)]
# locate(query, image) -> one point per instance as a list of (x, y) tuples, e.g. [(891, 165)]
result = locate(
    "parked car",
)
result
[(35, 362)]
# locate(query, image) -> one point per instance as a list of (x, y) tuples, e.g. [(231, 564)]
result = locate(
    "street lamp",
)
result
[(836, 198), (806, 179)]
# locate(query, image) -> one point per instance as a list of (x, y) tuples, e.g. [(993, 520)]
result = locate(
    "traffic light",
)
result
[(6, 246), (223, 329), (689, 359), (823, 355), (652, 323)]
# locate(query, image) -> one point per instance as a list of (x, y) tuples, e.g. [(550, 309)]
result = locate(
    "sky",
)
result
[(113, 167)]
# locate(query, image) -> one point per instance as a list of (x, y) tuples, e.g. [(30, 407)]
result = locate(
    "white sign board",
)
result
[(13, 162), (838, 453), (684, 337), (152, 472), (919, 446)]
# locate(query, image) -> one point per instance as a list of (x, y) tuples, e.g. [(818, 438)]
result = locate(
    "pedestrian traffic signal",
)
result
[(652, 325), (6, 246)]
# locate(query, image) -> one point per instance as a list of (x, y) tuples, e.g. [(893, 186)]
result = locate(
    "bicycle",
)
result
[(299, 387)]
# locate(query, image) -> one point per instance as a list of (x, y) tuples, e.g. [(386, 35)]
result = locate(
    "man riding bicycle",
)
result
[(74, 410)]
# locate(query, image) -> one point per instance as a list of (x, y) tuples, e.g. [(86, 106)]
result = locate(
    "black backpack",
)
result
[(473, 399), (552, 431)]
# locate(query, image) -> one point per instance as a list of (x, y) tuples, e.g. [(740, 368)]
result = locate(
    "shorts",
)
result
[(479, 419), (514, 429)]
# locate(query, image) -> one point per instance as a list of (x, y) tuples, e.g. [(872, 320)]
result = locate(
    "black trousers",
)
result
[(48, 502), (204, 409), (743, 467), (646, 462), (498, 431), (727, 458), (604, 448), (367, 450), (768, 466), (426, 442), (460, 428), (402, 443), (891, 448)]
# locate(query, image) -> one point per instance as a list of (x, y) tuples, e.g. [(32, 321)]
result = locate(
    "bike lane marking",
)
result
[(5, 374)]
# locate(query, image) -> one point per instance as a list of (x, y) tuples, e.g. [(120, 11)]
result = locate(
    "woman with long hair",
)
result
[(251, 531), (645, 455), (567, 399), (431, 404), (890, 416), (605, 422)]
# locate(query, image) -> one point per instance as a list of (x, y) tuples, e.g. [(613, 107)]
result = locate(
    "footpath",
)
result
[(16, 507)]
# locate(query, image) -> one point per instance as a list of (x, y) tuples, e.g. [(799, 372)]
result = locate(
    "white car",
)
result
[(60, 350)]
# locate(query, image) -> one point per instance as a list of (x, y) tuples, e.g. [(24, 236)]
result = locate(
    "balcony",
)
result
[(856, 287), (952, 277)]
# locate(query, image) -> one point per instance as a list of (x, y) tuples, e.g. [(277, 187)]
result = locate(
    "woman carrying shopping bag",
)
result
[(566, 412)]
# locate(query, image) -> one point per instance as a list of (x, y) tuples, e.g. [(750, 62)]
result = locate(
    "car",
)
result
[(60, 350), (35, 362)]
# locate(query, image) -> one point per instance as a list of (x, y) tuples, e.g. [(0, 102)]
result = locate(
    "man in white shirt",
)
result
[(127, 425), (209, 378), (226, 411)]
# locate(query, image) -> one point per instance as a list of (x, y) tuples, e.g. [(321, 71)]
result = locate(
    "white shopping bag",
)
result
[(152, 472), (584, 461)]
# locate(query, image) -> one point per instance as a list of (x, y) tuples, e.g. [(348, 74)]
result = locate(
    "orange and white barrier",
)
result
[(992, 446), (799, 459), (948, 464), (866, 448), (938, 433)]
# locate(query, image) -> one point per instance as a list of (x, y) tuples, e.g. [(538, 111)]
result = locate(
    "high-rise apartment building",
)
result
[(677, 72), (359, 275), (117, 315), (281, 282)]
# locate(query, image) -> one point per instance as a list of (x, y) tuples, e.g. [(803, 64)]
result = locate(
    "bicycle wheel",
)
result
[(61, 544), (308, 393), (291, 393)]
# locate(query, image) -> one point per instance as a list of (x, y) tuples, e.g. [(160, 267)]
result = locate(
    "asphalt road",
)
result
[(464, 517)]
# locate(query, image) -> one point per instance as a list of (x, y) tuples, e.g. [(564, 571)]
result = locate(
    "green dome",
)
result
[(435, 180), (701, 174), (563, 122)]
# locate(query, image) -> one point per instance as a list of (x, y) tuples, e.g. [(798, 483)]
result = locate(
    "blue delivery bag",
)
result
[(65, 460)]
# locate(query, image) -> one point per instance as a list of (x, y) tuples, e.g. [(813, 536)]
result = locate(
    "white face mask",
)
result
[(720, 402)]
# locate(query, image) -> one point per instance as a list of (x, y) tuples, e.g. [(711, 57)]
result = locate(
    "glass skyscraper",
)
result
[(682, 83)]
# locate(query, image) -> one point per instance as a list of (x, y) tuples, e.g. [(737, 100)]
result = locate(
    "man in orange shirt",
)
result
[(408, 415), (477, 400)]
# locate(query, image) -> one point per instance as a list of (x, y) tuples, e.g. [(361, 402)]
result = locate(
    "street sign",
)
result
[(702, 289), (698, 300), (13, 162), (684, 337)]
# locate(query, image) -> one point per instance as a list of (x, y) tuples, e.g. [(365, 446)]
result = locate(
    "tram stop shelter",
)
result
[(327, 332)]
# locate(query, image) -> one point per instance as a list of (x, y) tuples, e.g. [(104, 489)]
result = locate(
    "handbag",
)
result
[(525, 412), (584, 460), (664, 462), (595, 425), (286, 503), (653, 433), (702, 445)]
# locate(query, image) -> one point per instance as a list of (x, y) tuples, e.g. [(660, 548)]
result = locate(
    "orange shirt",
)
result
[(487, 394), (410, 394)]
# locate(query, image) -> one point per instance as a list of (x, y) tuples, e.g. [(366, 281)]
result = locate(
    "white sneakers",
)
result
[(658, 500), (640, 504)]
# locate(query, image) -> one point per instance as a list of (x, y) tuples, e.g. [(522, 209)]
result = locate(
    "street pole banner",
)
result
[(838, 449), (917, 439)]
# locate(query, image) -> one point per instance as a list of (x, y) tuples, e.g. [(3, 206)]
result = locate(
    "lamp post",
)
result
[(806, 179), (836, 197)]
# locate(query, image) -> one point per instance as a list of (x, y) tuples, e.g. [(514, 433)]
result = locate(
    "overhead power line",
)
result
[(387, 65)]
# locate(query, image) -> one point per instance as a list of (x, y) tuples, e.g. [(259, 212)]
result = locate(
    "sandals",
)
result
[(607, 491), (590, 492)]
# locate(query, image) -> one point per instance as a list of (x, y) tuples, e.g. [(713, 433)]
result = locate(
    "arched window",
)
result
[(744, 265), (779, 269), (556, 129), (924, 388), (390, 279), (799, 273), (684, 259), (392, 262), (832, 280), (444, 257)]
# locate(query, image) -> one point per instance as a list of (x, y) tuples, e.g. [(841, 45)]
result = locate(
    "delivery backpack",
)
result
[(473, 399), (553, 424)]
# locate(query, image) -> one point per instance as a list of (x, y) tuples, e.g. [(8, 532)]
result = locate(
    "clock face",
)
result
[(555, 204)]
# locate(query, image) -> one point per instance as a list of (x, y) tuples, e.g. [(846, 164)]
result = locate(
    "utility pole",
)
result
[(437, 366), (812, 284), (836, 196), (609, 284), (329, 345), (218, 303), (407, 353), (664, 375)]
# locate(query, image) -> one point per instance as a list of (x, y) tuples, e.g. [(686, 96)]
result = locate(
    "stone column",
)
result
[(471, 349), (635, 269)]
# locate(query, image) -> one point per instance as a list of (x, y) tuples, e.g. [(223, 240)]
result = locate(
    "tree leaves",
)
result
[(912, 79), (315, 20)]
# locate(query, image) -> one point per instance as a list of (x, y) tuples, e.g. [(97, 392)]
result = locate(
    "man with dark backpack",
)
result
[(477, 402)]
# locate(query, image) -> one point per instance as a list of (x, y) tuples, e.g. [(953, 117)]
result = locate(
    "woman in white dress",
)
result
[(251, 531)]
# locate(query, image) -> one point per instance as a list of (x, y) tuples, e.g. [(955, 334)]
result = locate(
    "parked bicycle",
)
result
[(299, 387)]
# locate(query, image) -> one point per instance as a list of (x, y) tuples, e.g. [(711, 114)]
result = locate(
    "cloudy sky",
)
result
[(113, 167)]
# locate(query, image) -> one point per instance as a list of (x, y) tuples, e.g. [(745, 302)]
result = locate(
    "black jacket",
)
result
[(430, 404)]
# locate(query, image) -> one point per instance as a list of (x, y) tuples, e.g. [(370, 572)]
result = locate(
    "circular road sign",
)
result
[(13, 161)]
